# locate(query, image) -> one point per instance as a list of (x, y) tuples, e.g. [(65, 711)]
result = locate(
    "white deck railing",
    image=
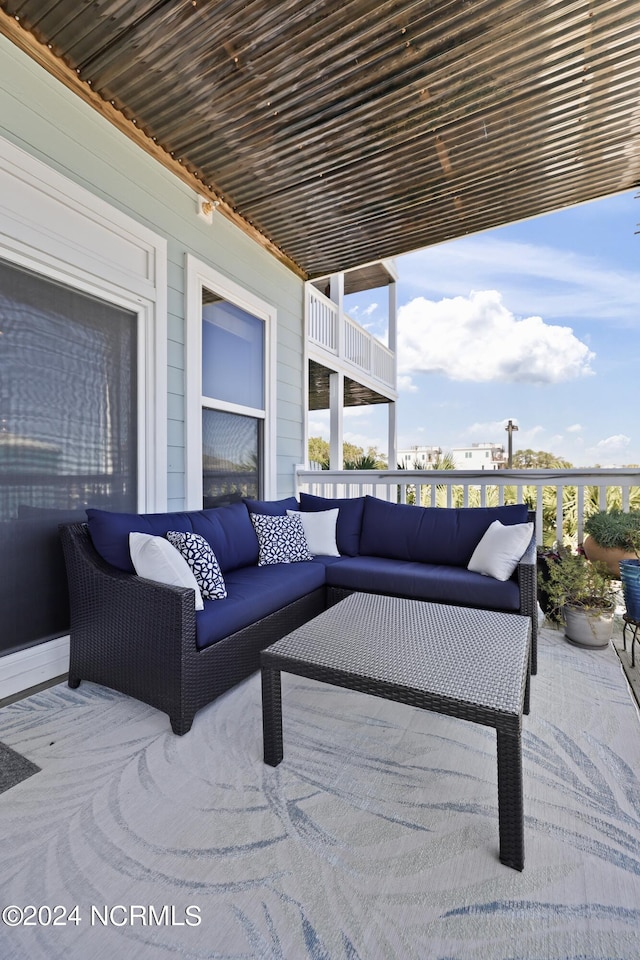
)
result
[(350, 342), (562, 499)]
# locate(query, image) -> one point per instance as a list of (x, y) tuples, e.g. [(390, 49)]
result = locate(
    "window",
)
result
[(232, 374), (68, 437), (230, 339)]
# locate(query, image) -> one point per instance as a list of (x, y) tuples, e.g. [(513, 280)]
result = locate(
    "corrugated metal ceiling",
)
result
[(348, 131)]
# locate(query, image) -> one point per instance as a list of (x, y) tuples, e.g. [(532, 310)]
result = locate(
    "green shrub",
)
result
[(613, 528), (567, 577)]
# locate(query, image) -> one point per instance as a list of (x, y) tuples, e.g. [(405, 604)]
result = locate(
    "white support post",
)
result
[(336, 409), (393, 437), (336, 292), (393, 346), (393, 326)]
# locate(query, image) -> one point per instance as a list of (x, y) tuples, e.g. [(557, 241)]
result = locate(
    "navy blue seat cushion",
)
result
[(420, 581), (110, 531), (254, 593), (348, 527), (438, 535), (272, 508), (327, 561), (230, 532)]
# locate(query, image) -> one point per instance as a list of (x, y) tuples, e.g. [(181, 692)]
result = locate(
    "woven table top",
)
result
[(474, 656)]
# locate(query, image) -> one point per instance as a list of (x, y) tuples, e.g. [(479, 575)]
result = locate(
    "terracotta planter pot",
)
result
[(588, 628), (611, 556)]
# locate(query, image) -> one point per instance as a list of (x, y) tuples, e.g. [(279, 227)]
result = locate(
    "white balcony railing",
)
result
[(344, 338), (562, 499)]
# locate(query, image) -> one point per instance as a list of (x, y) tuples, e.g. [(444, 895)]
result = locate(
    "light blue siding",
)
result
[(38, 114)]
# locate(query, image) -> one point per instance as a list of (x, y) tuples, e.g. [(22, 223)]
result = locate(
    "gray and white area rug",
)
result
[(375, 839)]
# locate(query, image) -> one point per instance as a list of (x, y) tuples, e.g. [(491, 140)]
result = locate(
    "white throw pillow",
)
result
[(155, 559), (500, 549), (320, 531)]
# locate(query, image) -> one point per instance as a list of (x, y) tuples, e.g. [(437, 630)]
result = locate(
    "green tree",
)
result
[(319, 451), (538, 460), (354, 457)]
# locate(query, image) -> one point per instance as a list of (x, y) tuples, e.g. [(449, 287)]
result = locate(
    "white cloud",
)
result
[(406, 384), (356, 412), (493, 431), (575, 428), (487, 428), (365, 441), (614, 444), (476, 338), (318, 425), (536, 278)]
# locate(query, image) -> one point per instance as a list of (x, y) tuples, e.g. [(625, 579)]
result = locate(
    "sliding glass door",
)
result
[(68, 437)]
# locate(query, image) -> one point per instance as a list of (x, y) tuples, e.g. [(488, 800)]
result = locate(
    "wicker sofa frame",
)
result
[(139, 637)]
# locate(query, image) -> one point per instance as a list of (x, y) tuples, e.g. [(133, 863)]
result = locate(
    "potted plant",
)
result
[(608, 535), (581, 594)]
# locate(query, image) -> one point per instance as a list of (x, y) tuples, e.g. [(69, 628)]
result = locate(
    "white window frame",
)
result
[(199, 276), (47, 246), (59, 230)]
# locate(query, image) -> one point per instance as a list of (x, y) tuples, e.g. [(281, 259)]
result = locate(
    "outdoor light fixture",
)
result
[(206, 208)]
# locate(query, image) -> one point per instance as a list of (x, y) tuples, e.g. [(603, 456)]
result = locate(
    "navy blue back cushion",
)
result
[(350, 510), (230, 532), (272, 508), (228, 529), (110, 531), (429, 534)]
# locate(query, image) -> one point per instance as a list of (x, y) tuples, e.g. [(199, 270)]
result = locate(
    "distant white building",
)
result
[(477, 456), (480, 456), (418, 458)]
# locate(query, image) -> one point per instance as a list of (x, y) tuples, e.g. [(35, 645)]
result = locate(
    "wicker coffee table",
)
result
[(467, 663)]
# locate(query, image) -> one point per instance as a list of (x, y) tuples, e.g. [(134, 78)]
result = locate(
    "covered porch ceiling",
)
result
[(342, 132), (355, 394)]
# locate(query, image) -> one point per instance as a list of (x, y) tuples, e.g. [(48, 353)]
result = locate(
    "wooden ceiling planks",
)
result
[(344, 132)]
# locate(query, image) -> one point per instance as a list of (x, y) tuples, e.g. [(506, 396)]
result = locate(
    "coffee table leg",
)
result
[(510, 800), (272, 716)]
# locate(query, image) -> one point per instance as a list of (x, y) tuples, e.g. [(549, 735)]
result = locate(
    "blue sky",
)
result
[(537, 321)]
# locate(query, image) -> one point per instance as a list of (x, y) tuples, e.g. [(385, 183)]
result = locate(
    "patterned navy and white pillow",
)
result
[(202, 560), (280, 539)]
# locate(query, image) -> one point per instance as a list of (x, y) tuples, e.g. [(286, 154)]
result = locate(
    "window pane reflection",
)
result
[(230, 457), (232, 353)]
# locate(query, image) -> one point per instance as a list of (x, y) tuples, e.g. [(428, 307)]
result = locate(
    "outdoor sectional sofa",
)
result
[(147, 639)]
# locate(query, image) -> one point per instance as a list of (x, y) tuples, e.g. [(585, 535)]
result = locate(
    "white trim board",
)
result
[(53, 226), (199, 275), (27, 668)]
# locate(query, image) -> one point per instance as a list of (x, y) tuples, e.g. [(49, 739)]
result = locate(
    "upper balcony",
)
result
[(332, 335), (337, 342)]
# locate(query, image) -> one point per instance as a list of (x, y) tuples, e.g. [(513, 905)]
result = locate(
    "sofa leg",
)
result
[(73, 682), (181, 725)]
